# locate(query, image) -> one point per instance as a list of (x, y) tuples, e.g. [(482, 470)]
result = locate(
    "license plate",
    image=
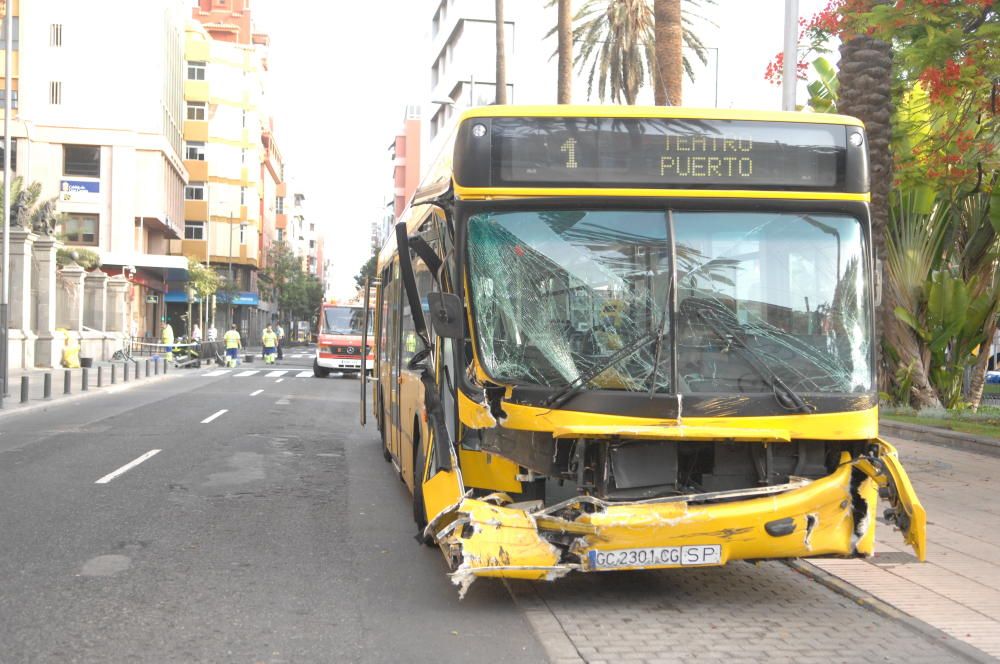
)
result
[(656, 556), (344, 364)]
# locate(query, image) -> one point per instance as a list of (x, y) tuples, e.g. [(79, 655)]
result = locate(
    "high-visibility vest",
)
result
[(269, 339), (232, 338), (167, 335)]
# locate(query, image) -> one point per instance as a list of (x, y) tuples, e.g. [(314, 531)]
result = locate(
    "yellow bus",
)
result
[(622, 338)]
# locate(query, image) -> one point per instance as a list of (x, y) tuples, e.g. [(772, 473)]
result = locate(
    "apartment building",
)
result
[(107, 145), (232, 201)]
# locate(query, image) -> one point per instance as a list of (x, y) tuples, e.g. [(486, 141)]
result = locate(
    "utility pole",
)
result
[(789, 73), (5, 294), (230, 284)]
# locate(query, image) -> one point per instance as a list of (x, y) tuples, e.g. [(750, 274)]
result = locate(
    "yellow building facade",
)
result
[(224, 153)]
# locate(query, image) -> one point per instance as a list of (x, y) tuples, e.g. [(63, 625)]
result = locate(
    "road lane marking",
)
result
[(283, 401), (253, 394), (215, 415), (127, 467), (279, 380), (304, 374), (218, 372), (251, 372), (275, 374)]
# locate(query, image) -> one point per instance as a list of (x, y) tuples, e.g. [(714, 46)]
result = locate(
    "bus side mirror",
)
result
[(446, 315)]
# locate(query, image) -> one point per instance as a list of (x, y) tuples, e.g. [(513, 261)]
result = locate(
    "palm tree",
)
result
[(668, 33), (866, 93), (564, 30), (501, 82), (618, 46)]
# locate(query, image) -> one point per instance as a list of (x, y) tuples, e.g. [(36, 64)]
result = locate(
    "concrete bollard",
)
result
[(165, 365), (100, 376), (147, 368), (156, 366), (84, 379), (24, 389), (67, 382), (137, 370), (114, 374), (125, 371), (47, 385)]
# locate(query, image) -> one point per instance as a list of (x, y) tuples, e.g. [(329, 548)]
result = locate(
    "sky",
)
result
[(342, 73)]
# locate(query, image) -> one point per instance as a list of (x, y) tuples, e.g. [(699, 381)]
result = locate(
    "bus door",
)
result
[(394, 298)]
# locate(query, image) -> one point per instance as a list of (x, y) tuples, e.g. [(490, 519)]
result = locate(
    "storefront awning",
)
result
[(171, 268)]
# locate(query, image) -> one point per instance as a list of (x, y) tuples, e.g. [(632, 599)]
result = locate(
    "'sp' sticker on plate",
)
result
[(657, 556)]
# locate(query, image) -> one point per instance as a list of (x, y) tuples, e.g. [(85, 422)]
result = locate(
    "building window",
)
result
[(55, 92), (196, 110), (243, 195), (312, 227), (3, 98), (195, 191), (83, 160), (194, 150), (281, 235), (13, 153), (194, 230), (279, 204), (55, 34), (16, 20), (196, 71), (78, 228)]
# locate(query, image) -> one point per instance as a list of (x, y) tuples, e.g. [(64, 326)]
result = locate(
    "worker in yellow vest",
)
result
[(233, 344), (167, 339), (269, 340)]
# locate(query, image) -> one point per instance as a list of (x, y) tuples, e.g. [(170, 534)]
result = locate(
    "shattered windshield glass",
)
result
[(558, 294)]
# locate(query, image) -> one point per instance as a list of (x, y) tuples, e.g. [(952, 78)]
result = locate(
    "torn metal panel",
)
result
[(905, 511)]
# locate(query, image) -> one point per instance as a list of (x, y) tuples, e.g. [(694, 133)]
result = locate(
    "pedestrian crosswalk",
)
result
[(246, 373)]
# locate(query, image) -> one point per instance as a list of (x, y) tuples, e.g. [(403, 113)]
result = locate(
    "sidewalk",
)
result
[(98, 379), (958, 589)]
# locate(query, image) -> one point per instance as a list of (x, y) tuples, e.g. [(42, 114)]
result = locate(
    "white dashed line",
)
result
[(130, 465), (304, 374), (218, 372), (215, 415), (253, 394), (247, 373), (279, 380), (275, 374)]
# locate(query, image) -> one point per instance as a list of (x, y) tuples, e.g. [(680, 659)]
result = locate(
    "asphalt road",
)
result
[(273, 533)]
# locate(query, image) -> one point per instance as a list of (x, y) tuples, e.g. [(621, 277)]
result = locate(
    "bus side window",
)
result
[(384, 317)]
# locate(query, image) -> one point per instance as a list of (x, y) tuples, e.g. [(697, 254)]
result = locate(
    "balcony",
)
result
[(195, 90), (195, 130), (197, 169), (196, 210)]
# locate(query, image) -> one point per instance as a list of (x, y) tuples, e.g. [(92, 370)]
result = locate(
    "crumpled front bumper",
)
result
[(834, 515)]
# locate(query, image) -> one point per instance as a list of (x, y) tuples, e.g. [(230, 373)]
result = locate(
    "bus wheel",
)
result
[(419, 511), (318, 371)]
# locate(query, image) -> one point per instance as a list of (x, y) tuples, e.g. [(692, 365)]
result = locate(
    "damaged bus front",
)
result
[(651, 345)]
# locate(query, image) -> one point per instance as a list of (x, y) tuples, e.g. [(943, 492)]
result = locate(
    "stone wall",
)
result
[(49, 304)]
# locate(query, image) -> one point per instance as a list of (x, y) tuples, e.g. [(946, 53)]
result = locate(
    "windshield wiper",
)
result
[(735, 337), (573, 388)]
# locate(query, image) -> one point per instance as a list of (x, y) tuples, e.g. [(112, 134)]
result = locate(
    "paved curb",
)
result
[(32, 406), (872, 603), (548, 630), (941, 437)]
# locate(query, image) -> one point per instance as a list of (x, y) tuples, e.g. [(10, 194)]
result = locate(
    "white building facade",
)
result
[(99, 124)]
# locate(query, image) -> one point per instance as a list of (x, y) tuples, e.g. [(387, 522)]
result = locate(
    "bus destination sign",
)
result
[(678, 153)]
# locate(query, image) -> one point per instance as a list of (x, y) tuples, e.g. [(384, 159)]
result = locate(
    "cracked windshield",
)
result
[(561, 296)]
